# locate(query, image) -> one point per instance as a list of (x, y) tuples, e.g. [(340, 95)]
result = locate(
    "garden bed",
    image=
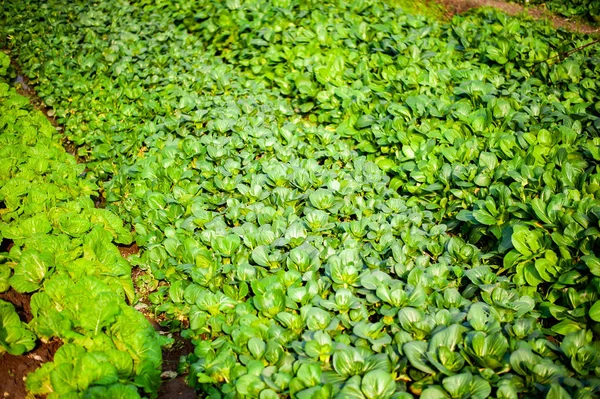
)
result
[(298, 199)]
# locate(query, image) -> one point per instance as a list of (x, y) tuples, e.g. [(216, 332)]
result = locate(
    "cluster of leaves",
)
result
[(62, 250), (15, 337), (511, 155), (292, 169), (588, 9)]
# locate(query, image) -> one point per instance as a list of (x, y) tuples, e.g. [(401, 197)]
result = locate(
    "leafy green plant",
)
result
[(332, 199), (15, 337), (587, 9), (63, 252)]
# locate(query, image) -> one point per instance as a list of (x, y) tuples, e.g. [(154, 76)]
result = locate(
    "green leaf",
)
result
[(117, 391), (62, 379), (484, 217), (32, 268), (525, 241), (557, 392), (416, 353), (226, 245), (309, 374), (595, 311), (249, 385), (15, 337), (378, 384), (593, 263), (93, 368), (347, 361), (458, 385)]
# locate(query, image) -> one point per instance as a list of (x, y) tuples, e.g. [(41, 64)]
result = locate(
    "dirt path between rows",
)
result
[(537, 12)]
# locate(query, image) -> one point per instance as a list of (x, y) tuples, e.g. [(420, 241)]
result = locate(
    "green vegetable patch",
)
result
[(586, 9), (332, 199), (63, 253)]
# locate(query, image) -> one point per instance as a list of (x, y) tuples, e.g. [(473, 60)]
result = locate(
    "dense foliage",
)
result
[(588, 9), (62, 250), (339, 198)]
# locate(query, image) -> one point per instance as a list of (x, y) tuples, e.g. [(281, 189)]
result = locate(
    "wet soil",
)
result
[(6, 244), (173, 384), (537, 12)]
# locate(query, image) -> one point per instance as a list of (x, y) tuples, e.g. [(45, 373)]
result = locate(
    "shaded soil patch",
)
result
[(24, 89), (537, 12), (171, 356), (21, 302), (14, 369), (136, 272), (176, 388), (173, 384), (128, 250), (100, 200), (6, 244)]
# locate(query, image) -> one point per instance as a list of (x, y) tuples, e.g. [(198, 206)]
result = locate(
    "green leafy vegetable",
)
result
[(332, 199)]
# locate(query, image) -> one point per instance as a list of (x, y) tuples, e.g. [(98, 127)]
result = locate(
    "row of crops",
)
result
[(62, 250), (331, 199)]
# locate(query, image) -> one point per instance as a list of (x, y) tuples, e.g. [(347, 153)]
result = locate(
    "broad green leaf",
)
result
[(378, 384)]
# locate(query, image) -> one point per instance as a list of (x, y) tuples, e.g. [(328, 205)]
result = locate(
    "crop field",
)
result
[(303, 199)]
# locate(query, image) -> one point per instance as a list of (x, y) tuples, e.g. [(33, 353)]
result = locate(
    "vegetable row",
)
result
[(62, 251)]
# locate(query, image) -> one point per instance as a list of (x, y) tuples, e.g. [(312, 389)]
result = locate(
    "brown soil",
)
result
[(6, 244), (128, 250), (171, 387), (21, 302), (14, 369), (181, 347), (537, 12), (176, 388)]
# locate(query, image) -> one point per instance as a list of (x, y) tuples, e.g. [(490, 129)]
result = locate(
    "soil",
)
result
[(14, 369), (174, 387), (537, 12), (6, 244), (181, 347), (21, 303), (128, 250), (173, 384)]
